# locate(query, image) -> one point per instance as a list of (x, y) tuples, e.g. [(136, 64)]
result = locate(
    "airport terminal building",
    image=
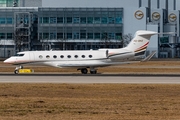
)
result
[(68, 25)]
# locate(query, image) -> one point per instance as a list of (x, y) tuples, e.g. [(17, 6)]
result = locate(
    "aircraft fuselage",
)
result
[(87, 58)]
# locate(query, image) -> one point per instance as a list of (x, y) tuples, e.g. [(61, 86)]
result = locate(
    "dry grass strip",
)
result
[(89, 102)]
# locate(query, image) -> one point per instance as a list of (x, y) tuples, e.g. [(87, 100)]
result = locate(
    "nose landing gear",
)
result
[(16, 71)]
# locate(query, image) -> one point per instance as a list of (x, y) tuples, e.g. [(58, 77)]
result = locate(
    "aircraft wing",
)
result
[(102, 64), (83, 65)]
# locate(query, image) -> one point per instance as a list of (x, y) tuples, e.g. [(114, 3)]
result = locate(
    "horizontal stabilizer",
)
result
[(166, 33), (148, 57)]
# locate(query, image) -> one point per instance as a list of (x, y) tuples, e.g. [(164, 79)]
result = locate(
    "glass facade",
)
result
[(9, 3), (5, 20), (116, 19), (80, 20), (80, 24), (62, 28)]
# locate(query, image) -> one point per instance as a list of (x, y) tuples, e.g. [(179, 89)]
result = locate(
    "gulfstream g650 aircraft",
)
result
[(83, 59)]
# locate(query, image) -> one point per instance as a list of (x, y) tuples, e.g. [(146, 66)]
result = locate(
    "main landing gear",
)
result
[(85, 71)]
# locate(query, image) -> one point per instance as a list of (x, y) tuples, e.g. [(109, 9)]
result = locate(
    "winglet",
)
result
[(149, 57)]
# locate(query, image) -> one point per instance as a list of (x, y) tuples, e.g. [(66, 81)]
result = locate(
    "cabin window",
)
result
[(40, 56), (90, 56), (54, 56), (47, 56), (62, 56), (76, 56), (69, 56), (83, 56)]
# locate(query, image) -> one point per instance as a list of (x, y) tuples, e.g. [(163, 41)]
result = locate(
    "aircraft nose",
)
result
[(9, 61), (6, 61)]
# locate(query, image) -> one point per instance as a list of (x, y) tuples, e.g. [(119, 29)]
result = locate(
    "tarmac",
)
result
[(91, 79)]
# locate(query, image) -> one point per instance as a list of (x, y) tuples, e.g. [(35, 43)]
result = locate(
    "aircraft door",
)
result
[(31, 56), (107, 53)]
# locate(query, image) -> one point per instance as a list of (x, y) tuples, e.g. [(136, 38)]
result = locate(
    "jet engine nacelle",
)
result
[(121, 56)]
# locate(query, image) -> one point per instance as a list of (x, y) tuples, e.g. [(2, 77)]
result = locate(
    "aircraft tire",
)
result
[(16, 71), (21, 67), (93, 72), (84, 71)]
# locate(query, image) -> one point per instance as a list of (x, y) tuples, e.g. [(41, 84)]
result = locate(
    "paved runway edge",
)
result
[(108, 75)]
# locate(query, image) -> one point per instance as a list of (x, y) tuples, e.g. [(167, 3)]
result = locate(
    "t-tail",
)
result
[(140, 42)]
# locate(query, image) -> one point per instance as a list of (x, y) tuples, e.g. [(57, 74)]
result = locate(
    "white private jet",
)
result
[(83, 59)]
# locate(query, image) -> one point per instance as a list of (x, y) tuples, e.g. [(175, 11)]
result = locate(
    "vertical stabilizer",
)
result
[(140, 42)]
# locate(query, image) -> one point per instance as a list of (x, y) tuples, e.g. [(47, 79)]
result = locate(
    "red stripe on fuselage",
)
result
[(142, 47)]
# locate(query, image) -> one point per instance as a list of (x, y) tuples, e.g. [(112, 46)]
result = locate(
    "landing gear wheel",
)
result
[(16, 71), (93, 72), (84, 71), (21, 67)]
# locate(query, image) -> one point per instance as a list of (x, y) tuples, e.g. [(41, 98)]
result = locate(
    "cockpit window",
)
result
[(19, 55)]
